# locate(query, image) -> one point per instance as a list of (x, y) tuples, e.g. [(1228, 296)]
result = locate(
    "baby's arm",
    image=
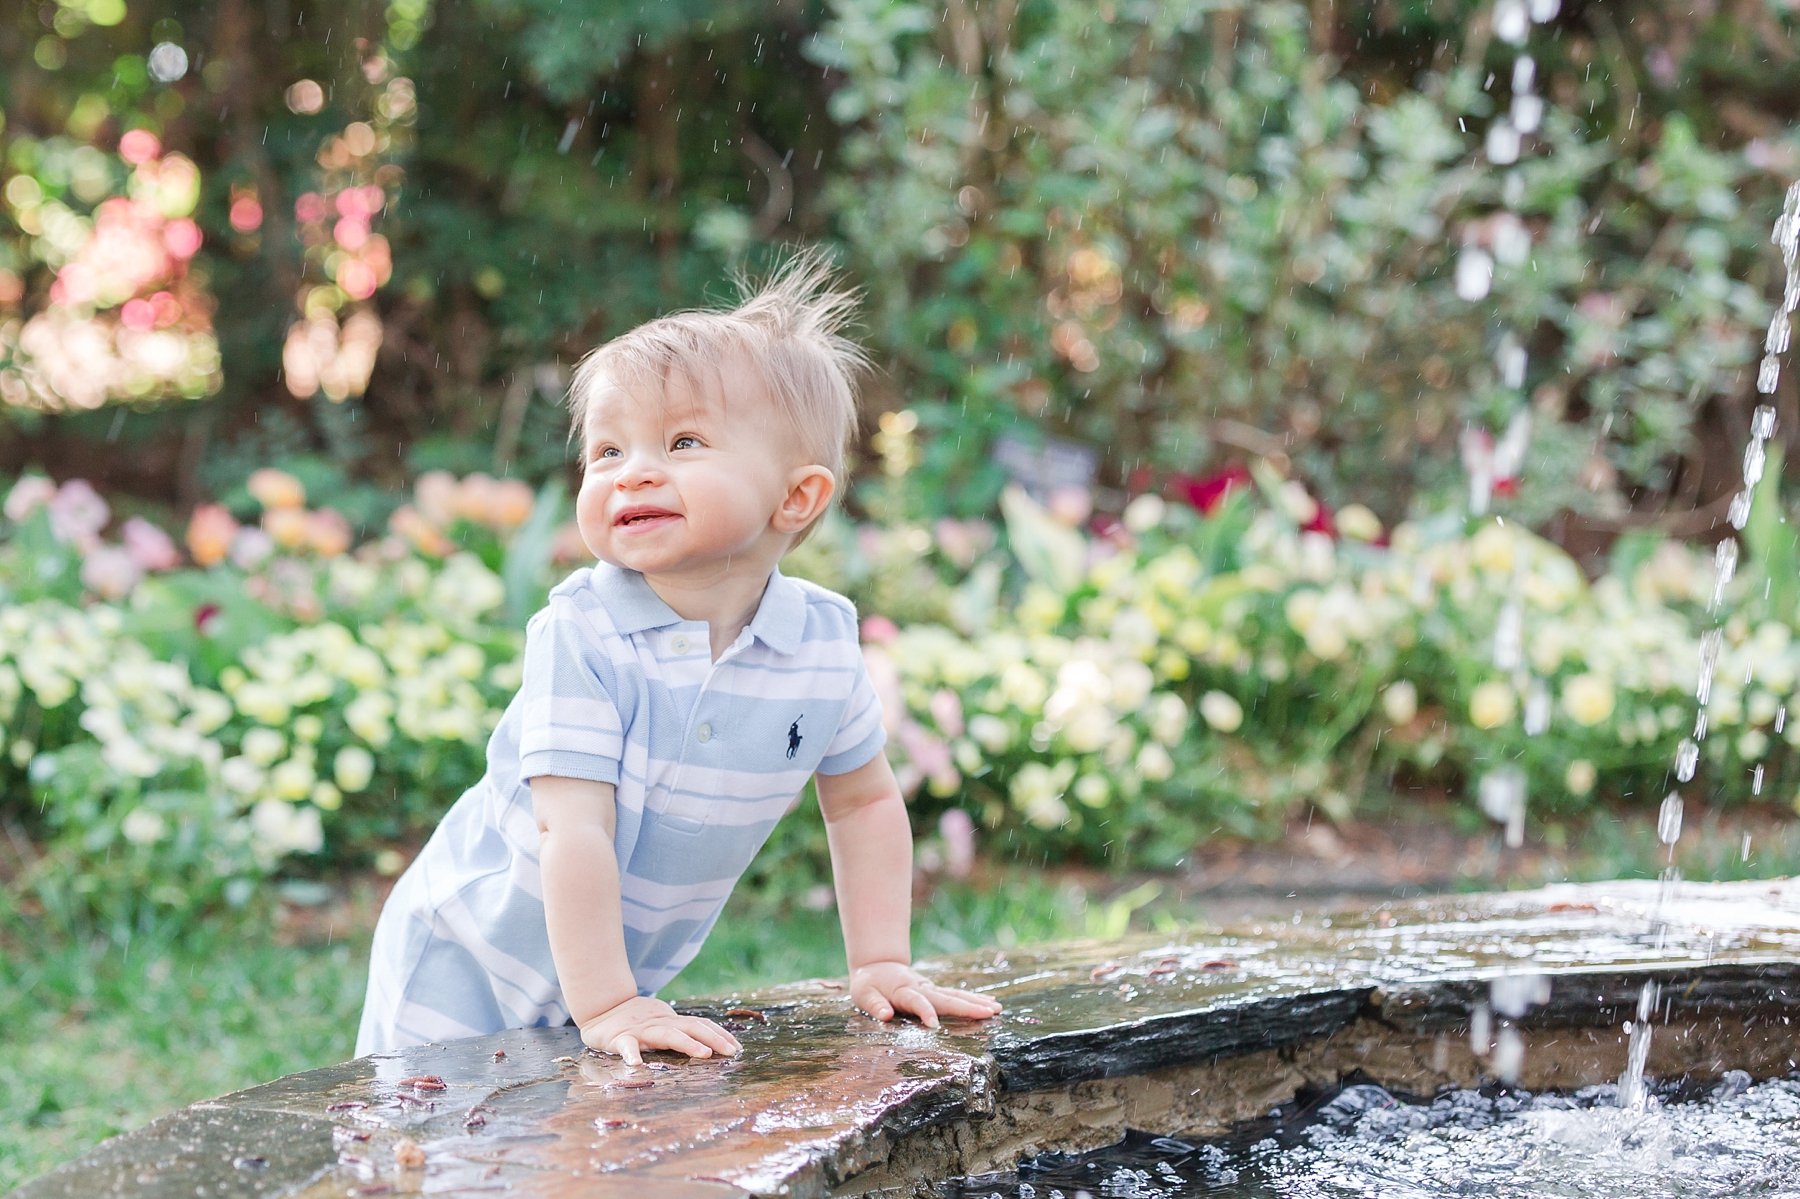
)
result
[(871, 861), (575, 819)]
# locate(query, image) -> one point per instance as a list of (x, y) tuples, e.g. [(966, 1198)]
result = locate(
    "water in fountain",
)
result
[(1735, 1139), (1632, 1092)]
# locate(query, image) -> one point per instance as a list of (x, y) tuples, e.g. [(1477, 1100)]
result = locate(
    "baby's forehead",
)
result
[(731, 391)]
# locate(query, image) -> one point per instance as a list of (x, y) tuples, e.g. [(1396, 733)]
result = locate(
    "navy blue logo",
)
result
[(794, 735)]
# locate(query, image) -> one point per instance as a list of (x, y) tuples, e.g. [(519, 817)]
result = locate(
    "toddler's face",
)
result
[(684, 477)]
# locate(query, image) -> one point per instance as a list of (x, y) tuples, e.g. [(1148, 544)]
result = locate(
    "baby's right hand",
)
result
[(642, 1023)]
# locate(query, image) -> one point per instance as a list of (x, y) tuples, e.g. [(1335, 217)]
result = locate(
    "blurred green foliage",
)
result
[(1183, 232)]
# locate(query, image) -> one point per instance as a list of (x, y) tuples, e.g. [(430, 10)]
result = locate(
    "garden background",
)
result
[(1202, 504)]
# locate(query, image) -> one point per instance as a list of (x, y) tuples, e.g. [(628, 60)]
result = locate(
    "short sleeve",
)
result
[(569, 726), (860, 734)]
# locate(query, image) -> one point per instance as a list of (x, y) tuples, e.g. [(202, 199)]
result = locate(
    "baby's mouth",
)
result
[(641, 518)]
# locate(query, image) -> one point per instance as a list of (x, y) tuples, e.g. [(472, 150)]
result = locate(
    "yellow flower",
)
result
[(353, 767), (1221, 711), (1491, 705), (1092, 790), (1580, 777), (293, 779), (1588, 698), (327, 797), (1358, 523)]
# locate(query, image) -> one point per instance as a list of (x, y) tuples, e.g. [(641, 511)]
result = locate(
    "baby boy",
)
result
[(676, 698)]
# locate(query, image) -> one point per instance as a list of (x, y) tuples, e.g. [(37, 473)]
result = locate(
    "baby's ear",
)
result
[(810, 489)]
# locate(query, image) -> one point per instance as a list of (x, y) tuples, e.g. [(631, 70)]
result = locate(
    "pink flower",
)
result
[(309, 208), (946, 712), (77, 514), (150, 547), (181, 238), (110, 572), (27, 496), (880, 630), (246, 214), (251, 547), (139, 146), (958, 832)]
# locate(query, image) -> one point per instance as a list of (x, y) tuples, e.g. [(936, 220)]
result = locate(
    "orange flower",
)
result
[(287, 527), (328, 532), (209, 534), (407, 522), (509, 504), (276, 489)]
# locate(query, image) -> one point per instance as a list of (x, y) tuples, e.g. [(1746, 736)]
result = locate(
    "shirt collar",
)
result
[(779, 623)]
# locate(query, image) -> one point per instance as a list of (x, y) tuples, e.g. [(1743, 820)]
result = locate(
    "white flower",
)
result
[(263, 746), (1588, 698), (1401, 702), (293, 779), (353, 767), (1168, 718), (368, 715), (1092, 790), (1221, 711), (1144, 513), (241, 775), (283, 828), (1580, 777), (1154, 763), (992, 733), (142, 826)]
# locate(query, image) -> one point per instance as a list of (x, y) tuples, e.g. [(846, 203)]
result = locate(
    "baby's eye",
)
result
[(685, 443), (610, 451)]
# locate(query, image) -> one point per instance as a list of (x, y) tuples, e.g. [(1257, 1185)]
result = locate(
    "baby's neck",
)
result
[(725, 595)]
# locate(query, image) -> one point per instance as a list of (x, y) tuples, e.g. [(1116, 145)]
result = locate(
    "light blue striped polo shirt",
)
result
[(705, 756)]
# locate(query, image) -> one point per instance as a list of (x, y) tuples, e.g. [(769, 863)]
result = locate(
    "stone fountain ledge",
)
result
[(1179, 1036)]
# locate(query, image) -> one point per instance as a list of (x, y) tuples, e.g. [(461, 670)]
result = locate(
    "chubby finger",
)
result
[(668, 1037), (951, 1001), (626, 1046), (918, 1005), (711, 1035)]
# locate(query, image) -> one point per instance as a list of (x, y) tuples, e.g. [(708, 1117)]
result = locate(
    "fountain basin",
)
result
[(1183, 1036)]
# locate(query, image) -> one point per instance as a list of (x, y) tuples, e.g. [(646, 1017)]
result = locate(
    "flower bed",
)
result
[(178, 726)]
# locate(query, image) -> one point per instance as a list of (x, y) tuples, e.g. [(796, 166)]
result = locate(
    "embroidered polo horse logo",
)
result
[(794, 736)]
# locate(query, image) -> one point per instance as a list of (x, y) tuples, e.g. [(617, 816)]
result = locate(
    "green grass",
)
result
[(98, 1040)]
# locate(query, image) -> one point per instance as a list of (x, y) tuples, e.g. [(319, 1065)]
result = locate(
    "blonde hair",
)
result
[(790, 327)]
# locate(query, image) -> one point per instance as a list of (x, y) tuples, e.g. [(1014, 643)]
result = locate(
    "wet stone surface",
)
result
[(821, 1092)]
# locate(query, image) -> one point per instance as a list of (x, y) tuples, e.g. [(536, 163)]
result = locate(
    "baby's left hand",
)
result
[(880, 988)]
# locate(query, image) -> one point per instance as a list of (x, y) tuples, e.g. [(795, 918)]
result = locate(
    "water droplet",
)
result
[(1524, 73), (1780, 717), (1544, 10), (1527, 113), (1725, 559), (1687, 756), (1755, 456), (1739, 512), (1668, 825), (1502, 143), (1537, 708), (1756, 777), (1762, 422), (1779, 332), (1475, 275), (1766, 376), (1512, 22)]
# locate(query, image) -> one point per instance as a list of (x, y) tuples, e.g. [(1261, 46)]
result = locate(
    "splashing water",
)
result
[(1632, 1093), (1743, 1140)]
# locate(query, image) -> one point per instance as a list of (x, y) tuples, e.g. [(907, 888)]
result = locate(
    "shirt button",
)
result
[(679, 643), (704, 733)]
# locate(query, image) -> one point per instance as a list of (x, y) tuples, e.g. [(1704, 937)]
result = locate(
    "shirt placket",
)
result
[(702, 728)]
